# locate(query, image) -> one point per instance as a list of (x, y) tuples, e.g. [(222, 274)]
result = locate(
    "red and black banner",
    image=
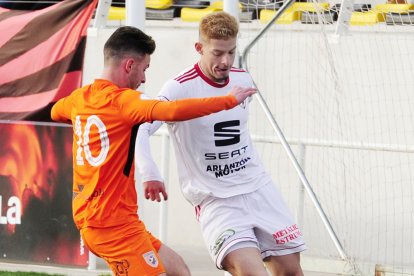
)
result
[(41, 57)]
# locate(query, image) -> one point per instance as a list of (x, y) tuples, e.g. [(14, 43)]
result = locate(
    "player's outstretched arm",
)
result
[(186, 109)]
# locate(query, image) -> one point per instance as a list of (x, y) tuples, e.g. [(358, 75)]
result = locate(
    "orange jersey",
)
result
[(105, 121)]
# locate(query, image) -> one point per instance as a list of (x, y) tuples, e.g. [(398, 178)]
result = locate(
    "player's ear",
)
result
[(199, 47), (128, 64)]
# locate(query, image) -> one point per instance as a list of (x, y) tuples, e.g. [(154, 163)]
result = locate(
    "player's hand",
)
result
[(153, 189), (241, 93)]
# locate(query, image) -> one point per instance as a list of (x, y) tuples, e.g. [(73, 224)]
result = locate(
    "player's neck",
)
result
[(208, 76), (112, 76)]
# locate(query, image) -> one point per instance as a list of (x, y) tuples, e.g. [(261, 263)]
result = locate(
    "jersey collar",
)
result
[(209, 81)]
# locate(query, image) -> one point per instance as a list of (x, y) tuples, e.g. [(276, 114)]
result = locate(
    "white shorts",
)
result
[(259, 219)]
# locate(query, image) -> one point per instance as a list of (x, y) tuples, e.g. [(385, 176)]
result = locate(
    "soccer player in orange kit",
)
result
[(106, 116)]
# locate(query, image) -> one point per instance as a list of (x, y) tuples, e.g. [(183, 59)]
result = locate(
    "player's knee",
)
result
[(248, 272), (182, 268), (245, 261), (291, 271), (244, 269), (185, 272), (177, 266), (287, 267)]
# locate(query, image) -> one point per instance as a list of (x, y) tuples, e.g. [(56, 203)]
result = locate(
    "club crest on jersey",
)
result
[(150, 259), (215, 248)]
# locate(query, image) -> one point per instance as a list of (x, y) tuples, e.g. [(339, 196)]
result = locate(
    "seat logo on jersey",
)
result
[(224, 130)]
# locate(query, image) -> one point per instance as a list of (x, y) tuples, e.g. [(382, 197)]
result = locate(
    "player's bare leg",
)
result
[(245, 262), (173, 263), (288, 265)]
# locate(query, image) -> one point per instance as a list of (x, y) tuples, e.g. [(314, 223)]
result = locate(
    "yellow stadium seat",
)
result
[(194, 15), (158, 4), (384, 8), (378, 13), (116, 13), (310, 6), (287, 17), (370, 17), (293, 13)]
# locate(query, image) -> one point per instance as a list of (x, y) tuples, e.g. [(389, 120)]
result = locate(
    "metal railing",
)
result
[(280, 135)]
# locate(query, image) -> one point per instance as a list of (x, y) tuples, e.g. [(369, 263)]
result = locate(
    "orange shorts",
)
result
[(128, 249)]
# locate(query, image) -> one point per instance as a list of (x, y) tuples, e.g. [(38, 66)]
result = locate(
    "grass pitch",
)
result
[(20, 273)]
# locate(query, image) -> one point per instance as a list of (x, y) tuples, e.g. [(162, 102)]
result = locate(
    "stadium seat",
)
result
[(384, 8), (293, 13), (191, 3), (155, 9), (287, 17), (400, 18), (116, 13), (397, 14), (379, 13), (163, 14), (328, 16), (370, 17), (194, 15), (310, 6), (158, 4)]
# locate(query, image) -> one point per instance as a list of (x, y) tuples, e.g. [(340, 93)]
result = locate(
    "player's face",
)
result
[(217, 57), (137, 73)]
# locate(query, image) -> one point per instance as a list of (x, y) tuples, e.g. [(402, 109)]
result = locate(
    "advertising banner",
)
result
[(36, 222)]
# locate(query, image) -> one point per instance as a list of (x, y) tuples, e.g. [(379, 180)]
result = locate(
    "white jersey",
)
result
[(215, 154)]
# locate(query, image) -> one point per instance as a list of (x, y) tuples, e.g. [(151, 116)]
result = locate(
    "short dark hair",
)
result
[(128, 40)]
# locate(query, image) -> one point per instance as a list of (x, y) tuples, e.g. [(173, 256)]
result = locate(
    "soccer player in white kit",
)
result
[(244, 220)]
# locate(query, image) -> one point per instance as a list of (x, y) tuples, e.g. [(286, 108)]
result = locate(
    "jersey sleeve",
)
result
[(135, 106), (144, 161), (175, 107), (186, 109), (62, 109), (139, 109), (170, 92)]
